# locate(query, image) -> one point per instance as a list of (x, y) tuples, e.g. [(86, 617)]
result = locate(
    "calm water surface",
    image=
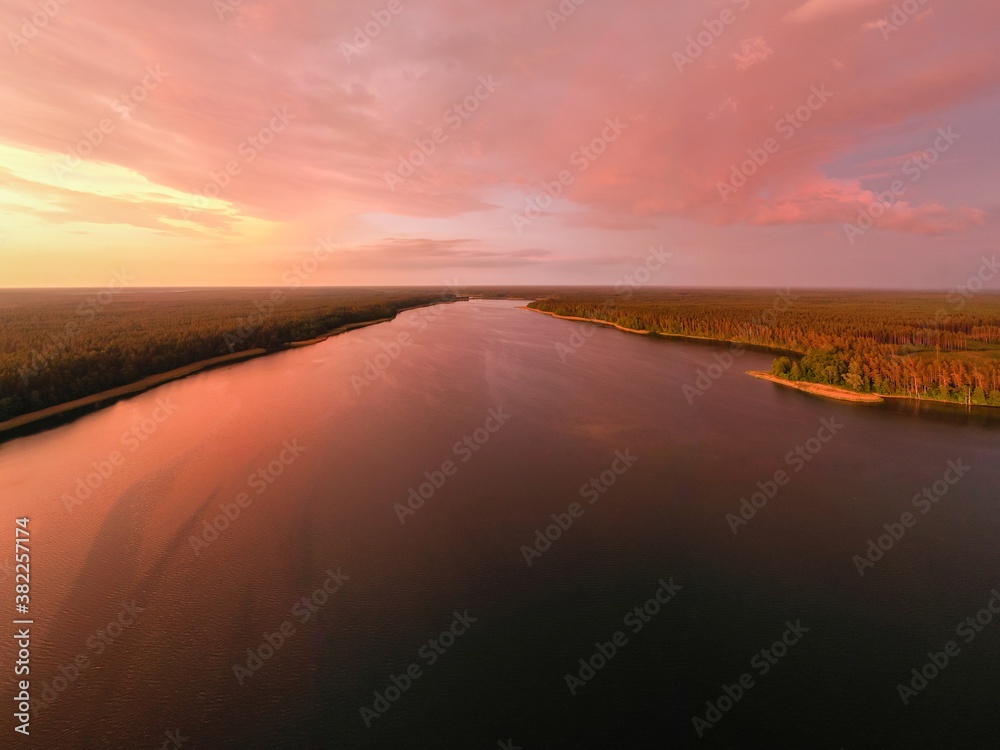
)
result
[(201, 598)]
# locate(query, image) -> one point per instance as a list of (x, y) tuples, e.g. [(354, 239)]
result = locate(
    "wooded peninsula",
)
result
[(939, 346)]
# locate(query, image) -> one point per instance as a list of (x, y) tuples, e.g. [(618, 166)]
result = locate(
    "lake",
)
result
[(477, 527)]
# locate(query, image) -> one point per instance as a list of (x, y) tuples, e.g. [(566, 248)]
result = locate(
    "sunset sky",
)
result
[(214, 143)]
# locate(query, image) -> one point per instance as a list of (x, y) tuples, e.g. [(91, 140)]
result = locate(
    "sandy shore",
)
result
[(820, 389), (338, 331), (587, 320), (817, 389)]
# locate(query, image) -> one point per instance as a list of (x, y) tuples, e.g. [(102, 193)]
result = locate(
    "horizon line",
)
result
[(650, 287)]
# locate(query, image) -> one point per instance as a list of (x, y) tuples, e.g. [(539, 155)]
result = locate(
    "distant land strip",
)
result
[(108, 397)]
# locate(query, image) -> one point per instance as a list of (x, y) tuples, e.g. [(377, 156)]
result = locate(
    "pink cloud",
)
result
[(751, 52), (413, 93), (817, 10)]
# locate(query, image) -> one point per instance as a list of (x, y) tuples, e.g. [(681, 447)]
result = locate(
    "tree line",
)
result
[(58, 346), (920, 345)]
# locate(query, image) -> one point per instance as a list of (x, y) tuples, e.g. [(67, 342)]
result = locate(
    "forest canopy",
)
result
[(924, 345), (60, 345)]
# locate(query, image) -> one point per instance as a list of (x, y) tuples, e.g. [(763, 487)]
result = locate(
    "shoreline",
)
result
[(639, 331), (817, 389), (131, 389), (589, 320), (821, 389), (845, 394), (37, 420), (762, 348), (337, 332)]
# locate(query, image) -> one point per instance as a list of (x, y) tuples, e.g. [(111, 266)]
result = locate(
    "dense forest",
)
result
[(61, 345), (927, 345)]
